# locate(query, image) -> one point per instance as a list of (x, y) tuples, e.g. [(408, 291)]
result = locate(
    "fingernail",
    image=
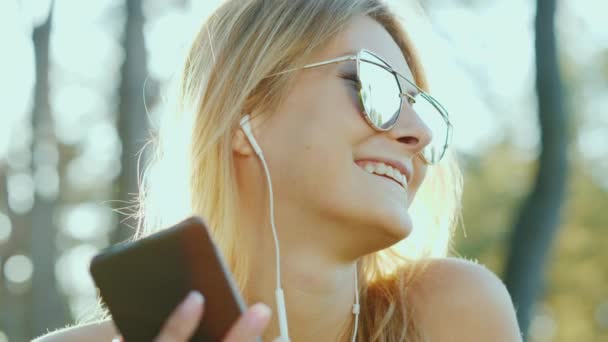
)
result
[(260, 313), (197, 297), (116, 339), (193, 302)]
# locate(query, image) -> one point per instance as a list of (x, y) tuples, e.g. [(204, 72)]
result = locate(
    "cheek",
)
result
[(312, 137), (313, 163), (420, 173)]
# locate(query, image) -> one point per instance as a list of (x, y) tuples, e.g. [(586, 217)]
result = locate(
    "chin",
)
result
[(387, 229), (397, 226), (385, 204)]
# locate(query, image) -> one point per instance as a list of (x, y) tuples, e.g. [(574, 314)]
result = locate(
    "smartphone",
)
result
[(141, 282)]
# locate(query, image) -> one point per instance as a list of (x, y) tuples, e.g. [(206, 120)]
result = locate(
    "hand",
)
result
[(182, 323)]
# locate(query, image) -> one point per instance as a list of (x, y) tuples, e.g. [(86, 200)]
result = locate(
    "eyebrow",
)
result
[(350, 52)]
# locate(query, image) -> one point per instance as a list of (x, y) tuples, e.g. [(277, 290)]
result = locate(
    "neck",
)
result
[(319, 284), (319, 294), (318, 258)]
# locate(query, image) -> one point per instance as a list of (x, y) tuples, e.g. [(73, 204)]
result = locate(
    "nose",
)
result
[(411, 130)]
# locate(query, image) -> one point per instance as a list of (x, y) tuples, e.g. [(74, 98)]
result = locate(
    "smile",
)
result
[(387, 171)]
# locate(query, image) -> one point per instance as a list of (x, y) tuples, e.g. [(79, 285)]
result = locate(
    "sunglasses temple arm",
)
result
[(335, 60)]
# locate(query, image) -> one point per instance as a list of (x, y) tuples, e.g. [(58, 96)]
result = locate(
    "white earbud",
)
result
[(249, 134), (279, 296)]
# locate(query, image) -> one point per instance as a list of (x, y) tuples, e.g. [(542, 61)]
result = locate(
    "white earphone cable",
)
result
[(272, 224), (282, 315), (356, 306), (280, 297)]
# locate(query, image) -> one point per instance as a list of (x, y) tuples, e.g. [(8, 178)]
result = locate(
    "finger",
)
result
[(183, 321), (250, 325), (118, 338)]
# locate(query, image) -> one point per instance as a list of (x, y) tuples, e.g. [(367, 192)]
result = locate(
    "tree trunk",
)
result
[(47, 305), (132, 123), (539, 217)]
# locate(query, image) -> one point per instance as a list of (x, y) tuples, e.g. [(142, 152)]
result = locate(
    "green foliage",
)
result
[(576, 273)]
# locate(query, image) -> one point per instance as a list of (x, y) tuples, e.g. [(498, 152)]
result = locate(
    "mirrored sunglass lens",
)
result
[(379, 94), (437, 125)]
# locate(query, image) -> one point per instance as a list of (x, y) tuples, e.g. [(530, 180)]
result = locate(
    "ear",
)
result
[(240, 144)]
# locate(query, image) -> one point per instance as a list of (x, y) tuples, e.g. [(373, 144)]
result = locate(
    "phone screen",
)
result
[(141, 282)]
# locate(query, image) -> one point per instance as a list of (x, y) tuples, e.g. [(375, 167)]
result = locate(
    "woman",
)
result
[(333, 90)]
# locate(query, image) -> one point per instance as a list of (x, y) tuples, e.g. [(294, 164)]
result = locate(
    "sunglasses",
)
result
[(381, 93)]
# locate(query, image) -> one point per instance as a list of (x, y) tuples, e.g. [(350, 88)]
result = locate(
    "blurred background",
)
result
[(526, 82)]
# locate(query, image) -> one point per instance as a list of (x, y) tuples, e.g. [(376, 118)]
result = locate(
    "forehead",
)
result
[(366, 33)]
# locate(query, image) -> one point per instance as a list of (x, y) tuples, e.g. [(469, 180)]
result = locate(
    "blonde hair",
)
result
[(223, 77)]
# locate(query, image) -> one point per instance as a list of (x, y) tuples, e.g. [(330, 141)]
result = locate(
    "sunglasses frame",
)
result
[(359, 57)]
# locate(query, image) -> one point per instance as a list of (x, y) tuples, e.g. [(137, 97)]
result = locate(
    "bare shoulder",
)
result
[(460, 300), (96, 331)]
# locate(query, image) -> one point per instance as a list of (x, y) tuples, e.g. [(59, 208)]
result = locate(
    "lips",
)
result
[(389, 178)]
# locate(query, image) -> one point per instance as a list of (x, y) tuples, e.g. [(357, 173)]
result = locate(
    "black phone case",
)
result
[(141, 282)]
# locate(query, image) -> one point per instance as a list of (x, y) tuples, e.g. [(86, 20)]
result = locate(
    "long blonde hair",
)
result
[(223, 76)]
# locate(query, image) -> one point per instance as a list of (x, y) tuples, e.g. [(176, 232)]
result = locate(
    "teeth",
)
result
[(383, 169), (402, 179), (396, 174)]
